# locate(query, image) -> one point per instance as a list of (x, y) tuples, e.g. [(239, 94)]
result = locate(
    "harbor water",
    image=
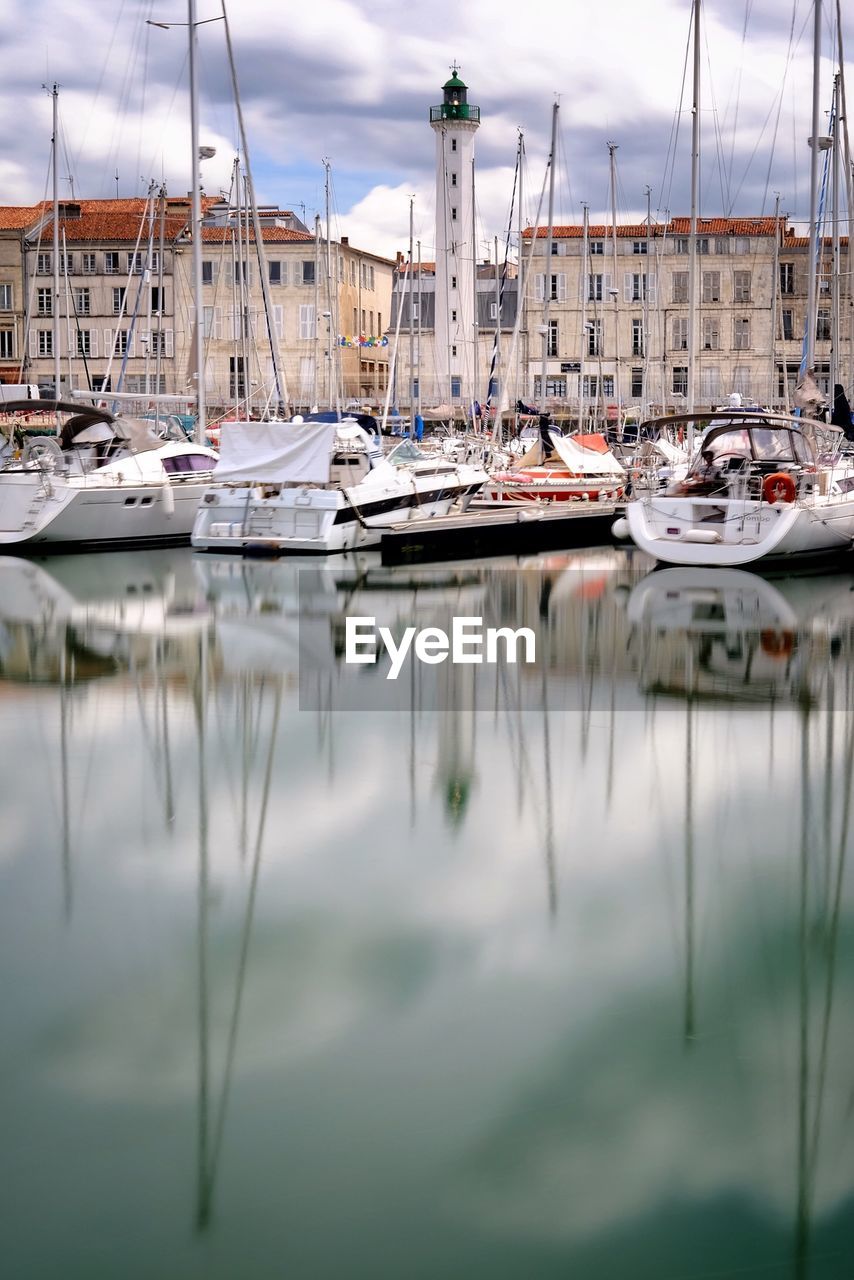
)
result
[(519, 971)]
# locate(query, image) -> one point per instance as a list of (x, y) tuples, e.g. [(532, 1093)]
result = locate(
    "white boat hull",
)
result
[(306, 520), (730, 532), (53, 511)]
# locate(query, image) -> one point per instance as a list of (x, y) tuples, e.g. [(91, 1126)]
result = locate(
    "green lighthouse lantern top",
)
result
[(455, 105)]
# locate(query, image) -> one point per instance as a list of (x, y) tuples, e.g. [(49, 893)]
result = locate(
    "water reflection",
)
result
[(511, 972)]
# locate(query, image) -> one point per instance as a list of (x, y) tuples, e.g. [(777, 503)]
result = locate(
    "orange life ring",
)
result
[(779, 487)]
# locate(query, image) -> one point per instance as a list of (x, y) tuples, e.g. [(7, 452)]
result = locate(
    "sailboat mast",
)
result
[(585, 268), (411, 282), (692, 241), (809, 355), (775, 286), (615, 292), (835, 276), (54, 154), (196, 221), (547, 269)]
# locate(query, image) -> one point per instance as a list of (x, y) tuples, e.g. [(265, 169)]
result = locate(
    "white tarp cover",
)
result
[(585, 462), (275, 452)]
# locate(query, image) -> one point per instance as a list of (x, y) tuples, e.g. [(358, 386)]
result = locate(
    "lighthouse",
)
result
[(455, 122)]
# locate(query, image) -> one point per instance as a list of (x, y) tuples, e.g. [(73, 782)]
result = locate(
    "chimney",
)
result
[(345, 240)]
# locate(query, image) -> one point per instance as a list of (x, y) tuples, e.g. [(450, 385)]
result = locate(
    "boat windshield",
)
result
[(406, 451), (725, 449)]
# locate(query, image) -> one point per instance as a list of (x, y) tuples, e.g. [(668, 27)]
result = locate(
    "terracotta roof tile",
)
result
[(675, 227), (271, 235)]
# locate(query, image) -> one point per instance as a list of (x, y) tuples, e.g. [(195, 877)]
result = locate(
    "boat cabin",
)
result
[(737, 449)]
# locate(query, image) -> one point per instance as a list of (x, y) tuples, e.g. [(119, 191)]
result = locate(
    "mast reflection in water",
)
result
[(527, 972)]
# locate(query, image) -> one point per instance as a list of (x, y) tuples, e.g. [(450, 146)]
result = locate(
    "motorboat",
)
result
[(558, 468), (760, 487), (100, 482), (317, 486)]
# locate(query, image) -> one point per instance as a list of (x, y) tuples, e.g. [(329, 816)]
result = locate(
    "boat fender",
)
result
[(620, 528), (168, 499), (779, 487)]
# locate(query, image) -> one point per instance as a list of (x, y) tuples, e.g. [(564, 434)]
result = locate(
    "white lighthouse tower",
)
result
[(455, 123)]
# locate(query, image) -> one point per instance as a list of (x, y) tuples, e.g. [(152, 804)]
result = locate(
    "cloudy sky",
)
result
[(351, 82)]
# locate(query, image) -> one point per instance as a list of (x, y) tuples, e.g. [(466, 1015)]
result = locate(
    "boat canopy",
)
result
[(585, 460), (275, 452), (764, 442)]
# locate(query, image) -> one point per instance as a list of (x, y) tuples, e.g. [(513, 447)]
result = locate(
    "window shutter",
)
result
[(561, 287), (131, 347), (33, 340), (108, 342), (217, 324), (168, 341), (652, 286), (279, 322), (93, 342), (539, 288), (628, 286)]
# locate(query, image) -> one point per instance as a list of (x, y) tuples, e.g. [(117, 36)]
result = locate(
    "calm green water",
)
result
[(508, 973)]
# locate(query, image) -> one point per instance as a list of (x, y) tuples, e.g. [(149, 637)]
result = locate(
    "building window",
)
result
[(84, 342), (555, 387), (158, 300), (741, 334), (721, 244), (637, 383), (711, 286), (637, 338), (136, 262), (594, 337), (596, 248), (711, 333), (307, 276), (453, 282), (453, 317), (680, 244), (44, 264), (456, 388), (635, 288), (788, 325), (118, 300), (454, 350), (89, 264), (453, 144), (454, 214), (596, 286), (7, 344), (680, 380), (111, 264), (45, 342), (608, 385), (679, 286), (702, 245), (121, 342), (710, 385), (822, 325), (160, 343), (207, 273), (552, 347), (741, 286), (639, 246), (82, 303), (787, 277), (277, 276), (5, 297), (680, 333), (44, 302), (236, 378), (66, 264), (453, 179)]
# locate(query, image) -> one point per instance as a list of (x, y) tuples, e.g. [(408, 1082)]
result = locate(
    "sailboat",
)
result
[(102, 481)]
